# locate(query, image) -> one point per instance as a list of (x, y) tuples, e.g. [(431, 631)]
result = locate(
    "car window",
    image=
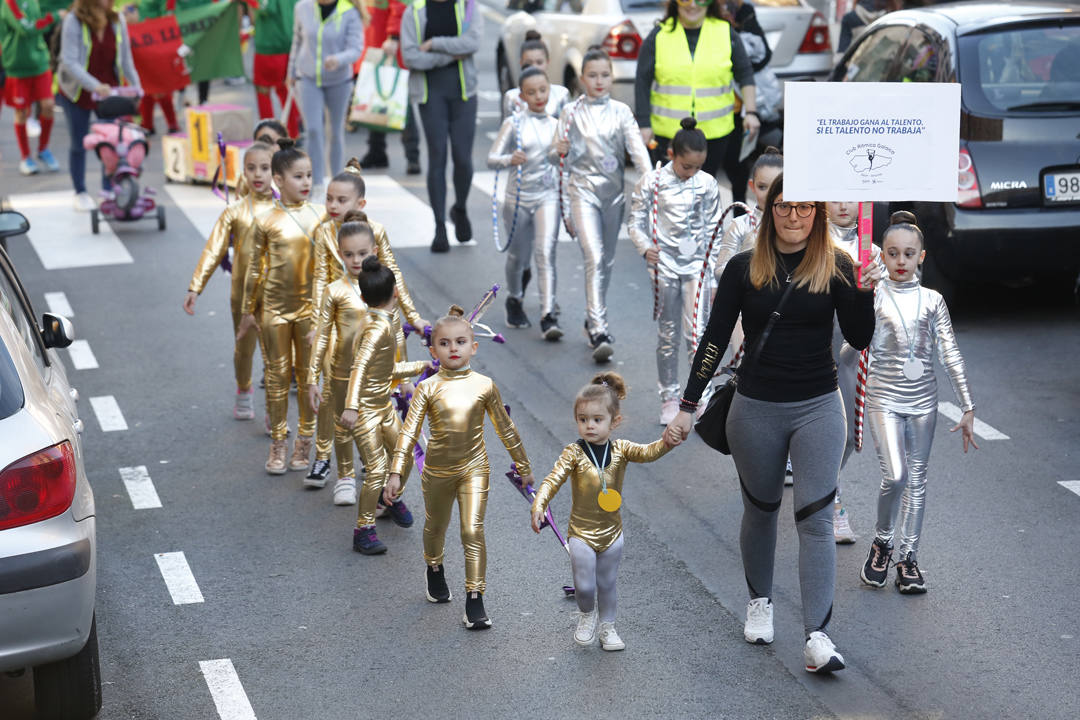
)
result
[(875, 55), (11, 306), (1022, 69), (919, 61), (11, 390)]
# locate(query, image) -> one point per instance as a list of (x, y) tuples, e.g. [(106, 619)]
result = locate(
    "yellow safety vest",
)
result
[(343, 7), (416, 7), (701, 86)]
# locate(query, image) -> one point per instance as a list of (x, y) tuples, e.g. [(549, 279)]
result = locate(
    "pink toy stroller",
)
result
[(121, 146)]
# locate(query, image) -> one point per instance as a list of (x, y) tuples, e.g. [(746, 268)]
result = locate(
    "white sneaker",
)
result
[(609, 639), (668, 410), (84, 203), (820, 654), (585, 634), (242, 407), (758, 629), (345, 491), (842, 531)]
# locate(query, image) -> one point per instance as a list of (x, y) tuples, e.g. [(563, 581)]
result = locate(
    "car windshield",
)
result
[(1023, 70)]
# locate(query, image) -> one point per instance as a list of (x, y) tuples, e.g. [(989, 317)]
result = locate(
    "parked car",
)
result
[(797, 34), (1018, 64), (48, 571)]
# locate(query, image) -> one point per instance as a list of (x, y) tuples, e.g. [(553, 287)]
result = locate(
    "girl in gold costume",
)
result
[(456, 464), (595, 466), (283, 245), (238, 222)]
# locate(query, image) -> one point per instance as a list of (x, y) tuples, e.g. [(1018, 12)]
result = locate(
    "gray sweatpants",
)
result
[(313, 99), (762, 435), (594, 576)]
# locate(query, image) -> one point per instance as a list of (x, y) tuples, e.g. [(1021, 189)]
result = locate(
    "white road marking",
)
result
[(489, 114), (490, 95), (491, 134), (981, 429), (1073, 485), (198, 204), (140, 487), (229, 697), (58, 304), (82, 357), (178, 578), (61, 236), (108, 413)]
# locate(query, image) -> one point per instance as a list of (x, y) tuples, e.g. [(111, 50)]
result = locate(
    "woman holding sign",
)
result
[(689, 65), (787, 401)]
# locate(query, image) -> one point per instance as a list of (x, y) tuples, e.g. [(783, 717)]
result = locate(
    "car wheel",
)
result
[(70, 688)]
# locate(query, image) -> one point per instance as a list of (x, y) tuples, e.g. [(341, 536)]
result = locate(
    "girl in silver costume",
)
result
[(532, 215), (534, 53), (686, 202), (595, 134), (913, 327)]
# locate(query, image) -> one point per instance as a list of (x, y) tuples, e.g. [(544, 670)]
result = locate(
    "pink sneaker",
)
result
[(243, 408)]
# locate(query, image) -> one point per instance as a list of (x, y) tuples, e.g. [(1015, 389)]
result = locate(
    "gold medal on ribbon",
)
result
[(609, 500)]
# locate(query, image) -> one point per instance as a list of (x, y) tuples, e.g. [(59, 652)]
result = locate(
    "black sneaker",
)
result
[(602, 346), (515, 314), (549, 326), (366, 542), (475, 618), (462, 226), (413, 167), (437, 590), (875, 570), (440, 244), (400, 514), (374, 160), (908, 578), (320, 469)]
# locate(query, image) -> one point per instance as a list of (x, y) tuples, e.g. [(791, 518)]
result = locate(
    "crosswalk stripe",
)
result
[(178, 578), (1072, 485), (82, 357), (199, 204), (58, 304), (981, 429), (61, 236), (140, 488), (108, 413), (229, 697)]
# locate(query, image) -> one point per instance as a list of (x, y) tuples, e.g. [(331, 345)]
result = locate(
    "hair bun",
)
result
[(286, 143), (355, 216), (533, 35), (612, 380), (371, 264), (456, 311), (771, 150), (903, 216), (688, 123), (353, 166)]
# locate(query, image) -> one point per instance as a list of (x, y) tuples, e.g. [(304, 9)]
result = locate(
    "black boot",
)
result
[(440, 244), (462, 226), (437, 590), (515, 314), (375, 159), (475, 617)]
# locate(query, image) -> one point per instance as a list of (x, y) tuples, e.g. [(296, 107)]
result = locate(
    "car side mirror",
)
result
[(13, 223), (56, 330)]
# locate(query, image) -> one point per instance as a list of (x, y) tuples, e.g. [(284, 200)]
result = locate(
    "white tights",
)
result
[(594, 576)]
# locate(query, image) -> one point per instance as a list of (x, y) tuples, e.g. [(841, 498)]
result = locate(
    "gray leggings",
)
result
[(762, 435), (312, 99), (594, 576)]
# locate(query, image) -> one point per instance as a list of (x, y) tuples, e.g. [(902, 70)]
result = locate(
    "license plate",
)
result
[(1062, 187)]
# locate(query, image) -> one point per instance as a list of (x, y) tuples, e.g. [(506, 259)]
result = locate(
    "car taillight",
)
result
[(969, 195), (623, 41), (38, 487), (816, 39)]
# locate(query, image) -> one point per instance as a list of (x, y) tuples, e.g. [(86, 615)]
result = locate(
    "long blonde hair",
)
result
[(91, 14), (819, 264)]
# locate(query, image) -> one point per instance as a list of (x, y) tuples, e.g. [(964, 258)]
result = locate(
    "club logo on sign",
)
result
[(869, 160)]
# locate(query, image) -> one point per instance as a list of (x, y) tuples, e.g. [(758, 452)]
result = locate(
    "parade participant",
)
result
[(367, 409), (595, 465), (25, 59), (913, 329), (158, 8), (328, 37), (148, 10), (532, 217), (438, 42), (673, 212), (594, 136), (273, 40), (534, 53), (787, 401), (95, 56), (237, 223), (456, 463), (283, 247), (690, 64), (267, 131)]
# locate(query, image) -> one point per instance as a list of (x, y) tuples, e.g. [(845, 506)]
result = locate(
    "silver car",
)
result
[(797, 34), (48, 570)]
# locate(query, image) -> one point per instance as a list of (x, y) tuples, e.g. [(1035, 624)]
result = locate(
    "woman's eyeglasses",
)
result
[(699, 3), (803, 210)]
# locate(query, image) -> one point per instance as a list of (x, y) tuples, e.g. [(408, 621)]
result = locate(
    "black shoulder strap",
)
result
[(753, 356)]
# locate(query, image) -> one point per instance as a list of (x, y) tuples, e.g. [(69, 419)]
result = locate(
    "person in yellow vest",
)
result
[(690, 65)]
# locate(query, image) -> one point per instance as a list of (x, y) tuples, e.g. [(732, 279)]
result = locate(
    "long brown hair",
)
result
[(91, 14), (819, 264)]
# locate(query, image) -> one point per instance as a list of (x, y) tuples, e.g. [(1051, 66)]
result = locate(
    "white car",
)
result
[(48, 567), (797, 34)]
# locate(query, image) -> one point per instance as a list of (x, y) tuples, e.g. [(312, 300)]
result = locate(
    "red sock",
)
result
[(46, 131), (23, 138), (266, 105)]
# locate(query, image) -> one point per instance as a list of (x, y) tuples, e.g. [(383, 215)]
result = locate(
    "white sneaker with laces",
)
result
[(585, 633), (609, 639), (842, 531), (84, 203), (758, 629), (668, 410), (820, 654), (243, 408), (345, 491)]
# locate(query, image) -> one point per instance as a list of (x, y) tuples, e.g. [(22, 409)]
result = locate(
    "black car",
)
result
[(1018, 63)]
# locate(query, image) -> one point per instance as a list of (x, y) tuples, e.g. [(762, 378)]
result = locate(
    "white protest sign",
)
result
[(871, 141)]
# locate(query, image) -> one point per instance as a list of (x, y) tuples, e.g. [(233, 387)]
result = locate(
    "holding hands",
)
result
[(678, 429)]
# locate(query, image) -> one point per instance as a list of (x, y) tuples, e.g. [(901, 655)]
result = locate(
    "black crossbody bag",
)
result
[(712, 426)]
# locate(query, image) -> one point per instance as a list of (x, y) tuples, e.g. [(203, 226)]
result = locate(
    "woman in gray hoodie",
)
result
[(328, 37)]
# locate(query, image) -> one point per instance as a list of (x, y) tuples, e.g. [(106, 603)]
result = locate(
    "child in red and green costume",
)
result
[(273, 39), (148, 10), (26, 61)]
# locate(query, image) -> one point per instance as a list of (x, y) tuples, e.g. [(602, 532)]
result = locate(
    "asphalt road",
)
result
[(314, 630)]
